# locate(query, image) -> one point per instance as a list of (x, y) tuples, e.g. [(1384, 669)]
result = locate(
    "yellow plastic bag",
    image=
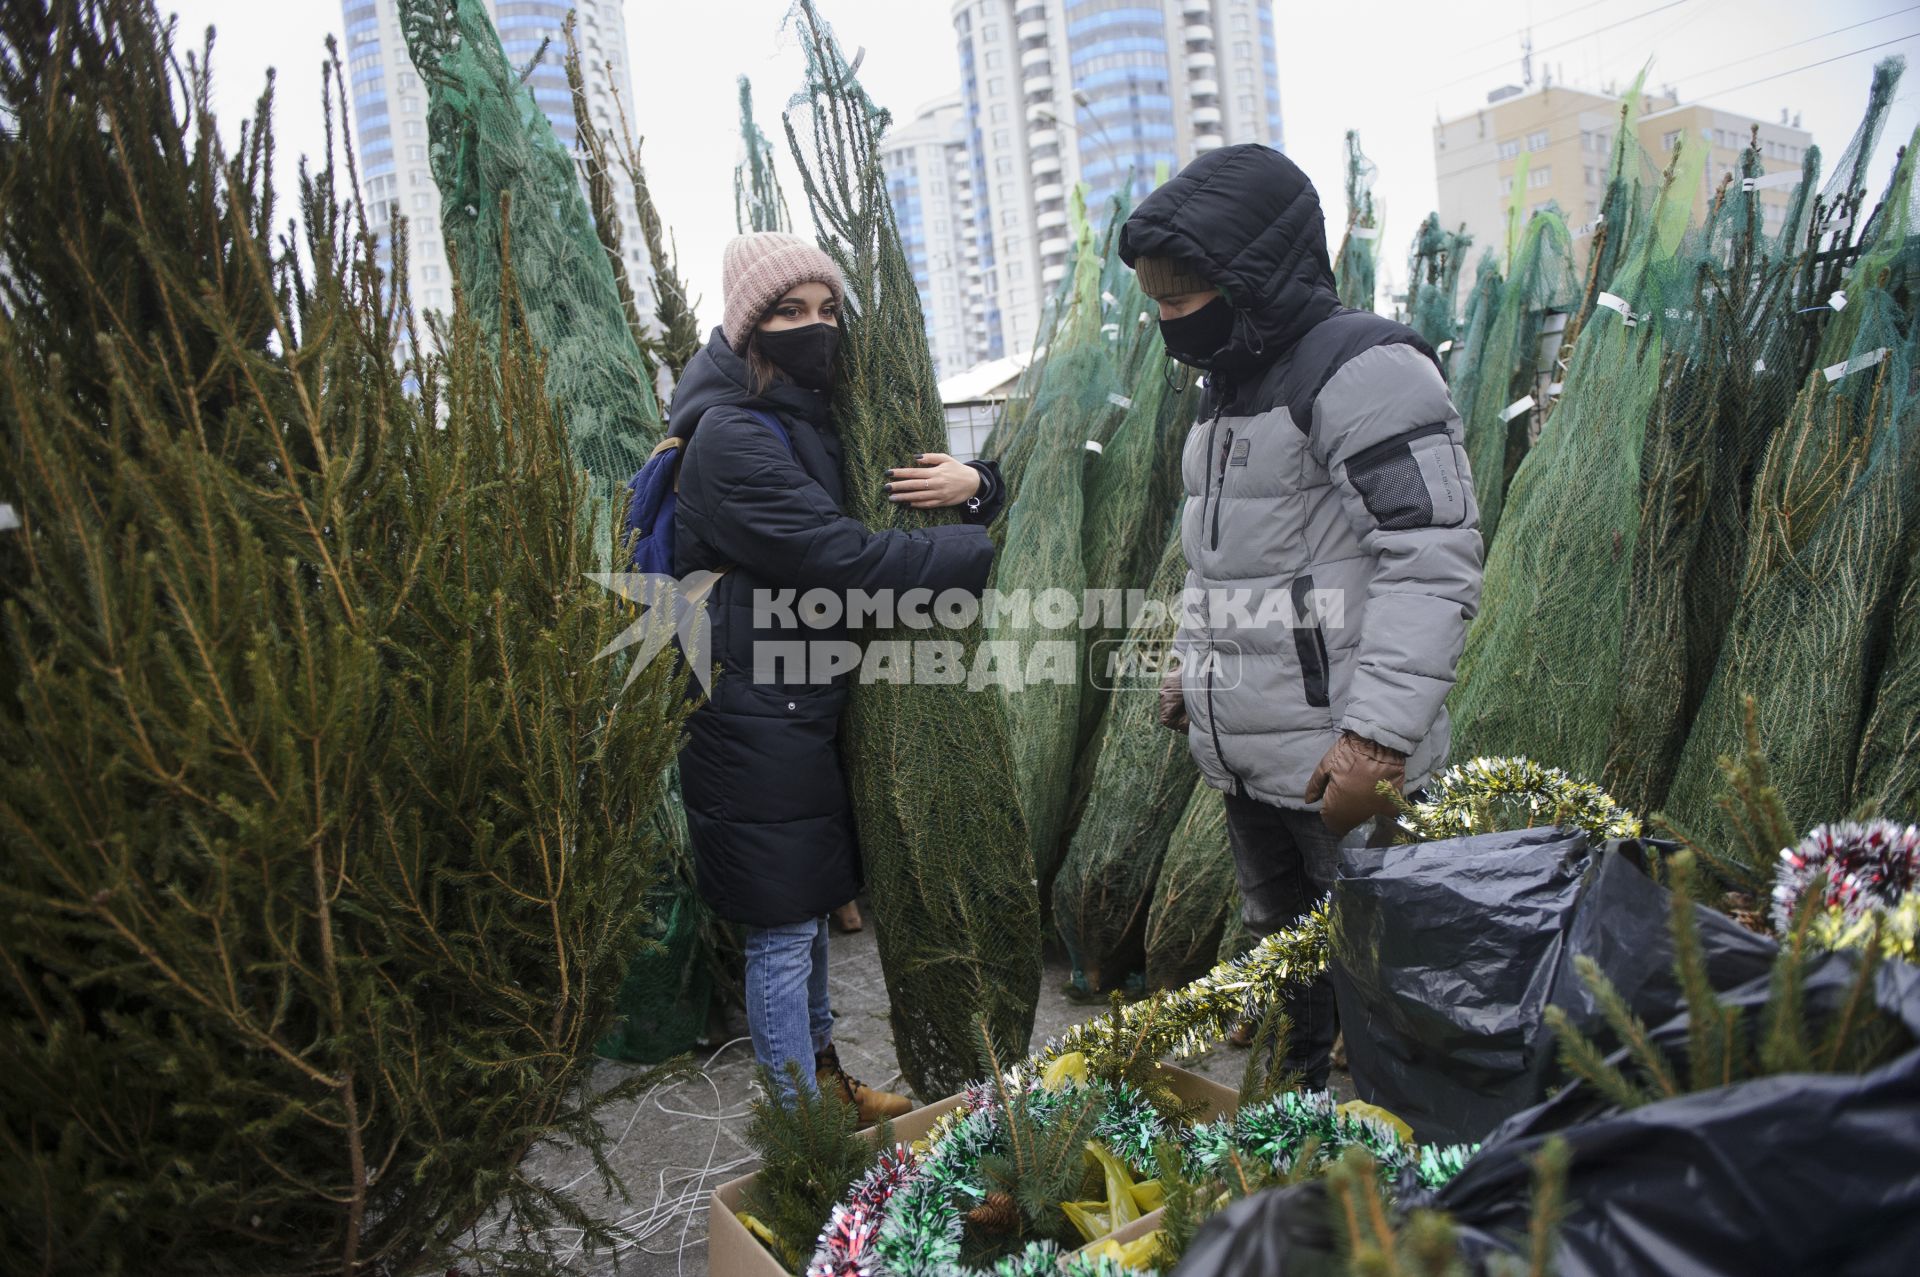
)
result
[(1360, 1108), (1097, 1219), (1149, 1196), (1141, 1252), (1071, 1067), (758, 1229)]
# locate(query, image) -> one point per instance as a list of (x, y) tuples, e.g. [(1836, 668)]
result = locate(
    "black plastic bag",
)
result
[(1785, 1175), (1797, 1173), (1447, 954)]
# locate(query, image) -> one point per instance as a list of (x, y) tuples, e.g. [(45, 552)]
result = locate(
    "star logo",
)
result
[(669, 608)]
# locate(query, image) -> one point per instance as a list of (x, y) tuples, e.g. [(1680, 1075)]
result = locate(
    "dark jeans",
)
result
[(1285, 860)]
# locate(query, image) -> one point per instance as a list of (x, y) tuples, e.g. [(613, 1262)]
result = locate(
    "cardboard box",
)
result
[(732, 1251)]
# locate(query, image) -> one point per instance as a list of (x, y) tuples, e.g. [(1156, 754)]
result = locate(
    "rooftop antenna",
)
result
[(1526, 59)]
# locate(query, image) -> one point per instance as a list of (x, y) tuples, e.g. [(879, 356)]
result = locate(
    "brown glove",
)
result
[(1347, 778), (1173, 701)]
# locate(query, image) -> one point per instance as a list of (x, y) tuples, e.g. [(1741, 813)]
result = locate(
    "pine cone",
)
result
[(997, 1214)]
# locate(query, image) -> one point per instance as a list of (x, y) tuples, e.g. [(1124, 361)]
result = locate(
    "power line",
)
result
[(1561, 44), (1753, 57), (1468, 168), (1508, 35), (1912, 35)]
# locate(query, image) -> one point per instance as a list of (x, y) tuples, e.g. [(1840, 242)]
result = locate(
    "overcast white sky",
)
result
[(1386, 68)]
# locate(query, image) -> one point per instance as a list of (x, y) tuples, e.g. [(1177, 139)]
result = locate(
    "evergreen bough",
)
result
[(946, 849), (318, 821)]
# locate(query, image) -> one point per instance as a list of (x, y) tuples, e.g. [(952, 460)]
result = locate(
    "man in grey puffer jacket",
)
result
[(1330, 530)]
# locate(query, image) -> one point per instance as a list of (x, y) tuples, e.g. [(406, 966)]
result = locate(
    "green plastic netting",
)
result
[(1078, 393), (1887, 771), (1433, 281), (948, 861), (1356, 266), (1462, 361), (1833, 508), (1142, 777), (758, 202), (1540, 671), (504, 176), (1724, 388), (1194, 894), (1507, 361)]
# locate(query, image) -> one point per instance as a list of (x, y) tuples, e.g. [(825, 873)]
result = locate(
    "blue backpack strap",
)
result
[(774, 424)]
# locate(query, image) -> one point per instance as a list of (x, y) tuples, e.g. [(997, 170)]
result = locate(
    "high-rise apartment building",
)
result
[(930, 182), (1567, 136), (390, 119), (1056, 93)]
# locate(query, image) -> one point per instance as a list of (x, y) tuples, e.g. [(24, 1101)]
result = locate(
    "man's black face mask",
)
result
[(805, 354), (1196, 339)]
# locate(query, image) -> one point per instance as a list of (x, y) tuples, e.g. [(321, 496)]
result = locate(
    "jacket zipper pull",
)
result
[(1226, 451)]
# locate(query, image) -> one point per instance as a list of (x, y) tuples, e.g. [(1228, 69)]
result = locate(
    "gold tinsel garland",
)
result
[(1460, 801), (1185, 1021)]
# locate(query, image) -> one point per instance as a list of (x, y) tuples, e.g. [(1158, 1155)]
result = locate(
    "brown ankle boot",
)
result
[(873, 1105)]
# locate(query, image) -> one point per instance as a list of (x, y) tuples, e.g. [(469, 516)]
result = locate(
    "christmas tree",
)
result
[(321, 830)]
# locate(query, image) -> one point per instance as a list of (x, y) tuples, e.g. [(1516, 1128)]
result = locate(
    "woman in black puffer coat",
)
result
[(760, 492)]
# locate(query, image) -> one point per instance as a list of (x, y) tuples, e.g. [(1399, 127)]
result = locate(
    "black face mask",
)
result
[(1196, 339), (804, 354)]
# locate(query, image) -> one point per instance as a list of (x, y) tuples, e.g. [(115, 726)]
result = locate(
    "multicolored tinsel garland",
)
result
[(1279, 1130), (1869, 869), (1457, 798), (904, 1217)]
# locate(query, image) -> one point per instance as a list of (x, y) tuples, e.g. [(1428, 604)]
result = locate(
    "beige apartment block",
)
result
[(1566, 136)]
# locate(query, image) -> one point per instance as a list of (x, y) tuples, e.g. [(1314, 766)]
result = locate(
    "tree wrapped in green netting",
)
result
[(1506, 360), (1540, 673), (758, 202), (1132, 497), (946, 849), (1886, 775), (1433, 280), (1725, 386), (1831, 509), (1356, 266), (1193, 896), (320, 835), (1462, 362), (504, 178), (596, 170), (1043, 559), (1141, 781), (1075, 388)]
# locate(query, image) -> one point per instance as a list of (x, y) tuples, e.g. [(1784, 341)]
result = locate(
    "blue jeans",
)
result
[(787, 1010)]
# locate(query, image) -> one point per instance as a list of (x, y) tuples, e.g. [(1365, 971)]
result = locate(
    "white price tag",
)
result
[(1443, 348), (1759, 365), (1093, 446), (1772, 181), (1517, 407), (1556, 388), (1110, 330), (1109, 299), (1119, 401), (1838, 301), (1618, 305), (9, 517), (1365, 232), (1859, 362)]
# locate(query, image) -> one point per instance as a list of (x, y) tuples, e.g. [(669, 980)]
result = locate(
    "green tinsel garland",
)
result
[(1278, 1130), (1460, 801)]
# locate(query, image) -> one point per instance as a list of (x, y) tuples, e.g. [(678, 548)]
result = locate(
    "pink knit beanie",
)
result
[(759, 269)]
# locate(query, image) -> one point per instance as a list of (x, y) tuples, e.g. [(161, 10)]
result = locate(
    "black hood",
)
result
[(716, 376), (1251, 220)]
